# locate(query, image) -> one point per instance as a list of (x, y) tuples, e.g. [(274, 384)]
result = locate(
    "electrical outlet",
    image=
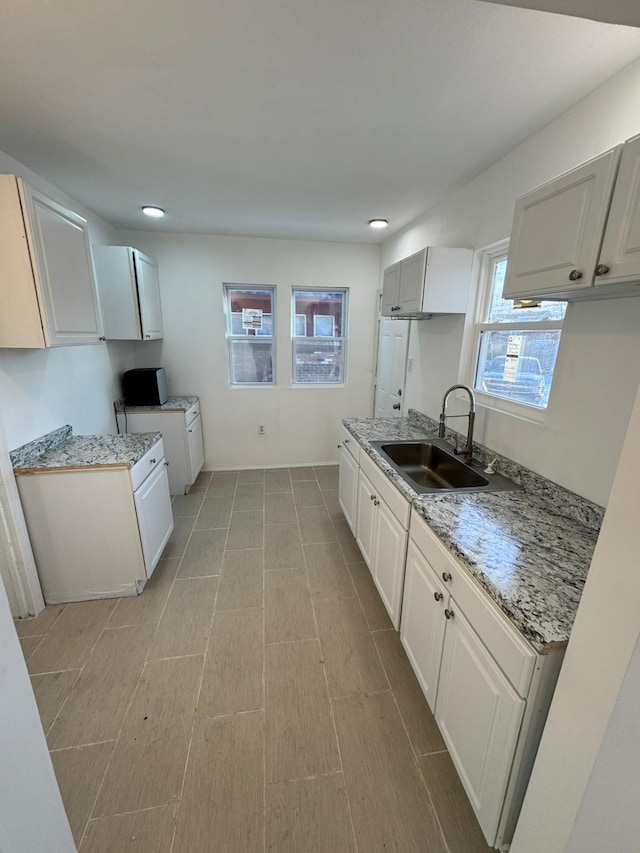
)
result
[(260, 429)]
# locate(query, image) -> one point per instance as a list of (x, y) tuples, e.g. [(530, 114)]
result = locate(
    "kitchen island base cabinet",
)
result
[(97, 532)]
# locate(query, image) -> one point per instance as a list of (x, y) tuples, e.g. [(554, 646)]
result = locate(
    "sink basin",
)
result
[(432, 466)]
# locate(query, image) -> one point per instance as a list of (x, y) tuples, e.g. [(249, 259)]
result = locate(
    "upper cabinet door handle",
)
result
[(574, 275), (601, 269)]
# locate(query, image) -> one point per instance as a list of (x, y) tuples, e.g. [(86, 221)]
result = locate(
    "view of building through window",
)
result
[(516, 347), (319, 336), (250, 334)]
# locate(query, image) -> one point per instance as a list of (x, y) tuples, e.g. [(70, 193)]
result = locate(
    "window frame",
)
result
[(227, 289), (488, 257), (320, 338)]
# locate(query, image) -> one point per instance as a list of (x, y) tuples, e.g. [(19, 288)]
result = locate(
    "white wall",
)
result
[(598, 367), (41, 390), (594, 714), (301, 424)]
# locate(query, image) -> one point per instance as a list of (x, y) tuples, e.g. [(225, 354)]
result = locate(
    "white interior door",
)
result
[(393, 345)]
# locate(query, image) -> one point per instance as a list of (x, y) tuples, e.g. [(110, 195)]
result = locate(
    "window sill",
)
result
[(508, 407)]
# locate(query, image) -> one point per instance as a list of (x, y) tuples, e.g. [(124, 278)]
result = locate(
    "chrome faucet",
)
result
[(467, 452)]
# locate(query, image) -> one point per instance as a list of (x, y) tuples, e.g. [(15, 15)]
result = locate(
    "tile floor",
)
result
[(255, 697)]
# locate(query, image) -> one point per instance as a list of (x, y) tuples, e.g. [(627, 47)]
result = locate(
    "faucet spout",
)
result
[(467, 452)]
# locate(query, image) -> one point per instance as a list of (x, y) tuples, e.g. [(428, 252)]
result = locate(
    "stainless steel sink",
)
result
[(432, 466)]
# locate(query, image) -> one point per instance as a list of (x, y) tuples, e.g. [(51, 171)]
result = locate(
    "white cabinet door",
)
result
[(348, 487), (391, 290), (479, 716), (423, 622), (63, 270), (389, 551), (149, 296), (621, 247), (366, 519), (557, 231), (412, 283), (155, 518), (195, 448)]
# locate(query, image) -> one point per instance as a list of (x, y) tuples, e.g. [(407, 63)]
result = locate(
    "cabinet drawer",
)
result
[(149, 462), (512, 653), (398, 505), (348, 441), (192, 413)]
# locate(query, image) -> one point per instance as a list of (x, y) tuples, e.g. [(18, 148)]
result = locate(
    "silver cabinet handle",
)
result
[(446, 576), (438, 596), (574, 275), (448, 613), (601, 269)]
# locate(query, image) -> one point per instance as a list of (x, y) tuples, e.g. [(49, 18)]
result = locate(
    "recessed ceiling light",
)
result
[(155, 212), (378, 223)]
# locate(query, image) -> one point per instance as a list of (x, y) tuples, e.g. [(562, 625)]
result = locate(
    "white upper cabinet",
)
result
[(620, 254), (129, 293), (432, 281), (46, 274)]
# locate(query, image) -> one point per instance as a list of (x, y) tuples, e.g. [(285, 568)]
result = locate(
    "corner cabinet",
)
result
[(129, 293), (434, 280), (578, 236), (46, 276)]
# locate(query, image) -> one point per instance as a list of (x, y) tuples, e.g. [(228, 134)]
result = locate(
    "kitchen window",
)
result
[(319, 335), (250, 324), (515, 345)]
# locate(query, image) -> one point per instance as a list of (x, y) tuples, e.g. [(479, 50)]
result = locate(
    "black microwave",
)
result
[(144, 386)]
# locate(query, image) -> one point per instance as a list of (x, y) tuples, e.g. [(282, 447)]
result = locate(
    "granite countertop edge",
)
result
[(533, 572), (61, 451), (173, 404)]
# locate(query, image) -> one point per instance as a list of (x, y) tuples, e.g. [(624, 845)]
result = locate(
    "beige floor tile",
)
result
[(233, 669), (374, 610), (40, 624), (348, 544), (177, 543), (148, 763), (458, 822), (302, 473), (186, 621), (204, 554), (146, 608), (315, 525), (214, 513), (148, 831), (222, 483), (351, 660), (183, 505), (328, 573), (202, 480), (256, 475), (332, 505), (69, 643), (241, 580), (418, 719), (222, 806), (80, 771), (50, 691), (300, 738), (246, 530), (327, 477), (96, 707), (310, 815), (277, 480), (389, 804), (280, 509), (288, 614), (282, 547), (29, 645), (307, 493), (249, 496)]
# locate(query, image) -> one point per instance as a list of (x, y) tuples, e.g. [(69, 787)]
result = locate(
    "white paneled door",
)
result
[(393, 343)]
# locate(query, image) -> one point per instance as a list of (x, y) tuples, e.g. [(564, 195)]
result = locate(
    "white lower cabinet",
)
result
[(366, 517), (155, 517), (348, 483)]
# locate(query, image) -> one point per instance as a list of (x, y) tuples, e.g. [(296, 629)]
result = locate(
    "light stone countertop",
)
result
[(173, 404), (530, 550), (60, 450)]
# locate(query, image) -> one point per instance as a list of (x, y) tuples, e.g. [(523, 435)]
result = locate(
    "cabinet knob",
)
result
[(446, 576), (189, 430), (601, 269), (346, 441), (338, 446), (574, 275), (396, 406), (376, 503), (448, 613), (147, 336), (438, 596), (166, 463), (152, 462), (102, 338), (373, 497)]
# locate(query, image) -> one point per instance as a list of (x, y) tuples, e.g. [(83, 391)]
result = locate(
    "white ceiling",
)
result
[(286, 118), (612, 11)]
